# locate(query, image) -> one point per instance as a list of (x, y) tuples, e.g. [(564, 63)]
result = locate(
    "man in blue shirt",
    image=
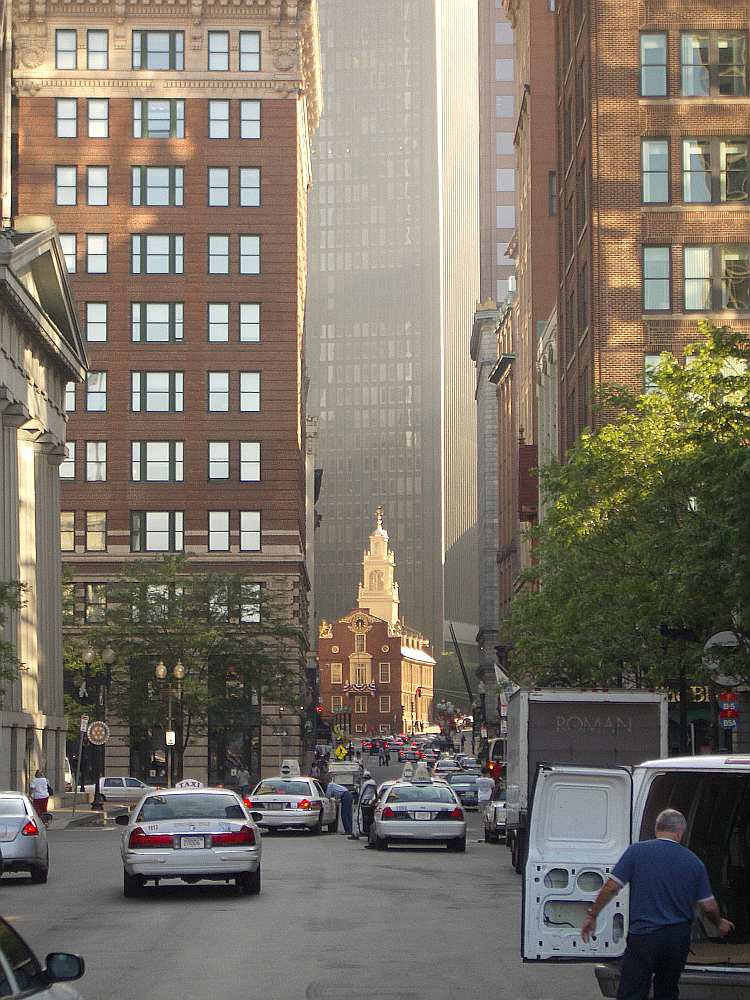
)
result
[(666, 882), (342, 793)]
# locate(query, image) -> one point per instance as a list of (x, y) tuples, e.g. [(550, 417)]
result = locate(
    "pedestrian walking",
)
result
[(350, 751), (40, 792), (666, 882), (381, 755), (342, 793), (387, 757)]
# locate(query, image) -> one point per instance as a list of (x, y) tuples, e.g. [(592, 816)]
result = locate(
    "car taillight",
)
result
[(304, 804), (139, 838), (244, 837), (30, 829), (388, 813), (456, 813), (249, 804)]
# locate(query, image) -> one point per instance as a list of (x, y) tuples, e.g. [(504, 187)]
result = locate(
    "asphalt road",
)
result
[(334, 922)]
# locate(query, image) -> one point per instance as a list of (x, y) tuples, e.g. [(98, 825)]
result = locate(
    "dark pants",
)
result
[(660, 955), (346, 811)]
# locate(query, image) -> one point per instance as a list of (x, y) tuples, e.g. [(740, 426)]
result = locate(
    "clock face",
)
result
[(359, 622)]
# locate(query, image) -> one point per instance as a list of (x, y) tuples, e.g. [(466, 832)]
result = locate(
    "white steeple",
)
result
[(378, 592)]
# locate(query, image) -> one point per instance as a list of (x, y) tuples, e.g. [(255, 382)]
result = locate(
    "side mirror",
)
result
[(256, 817), (123, 819), (63, 967)]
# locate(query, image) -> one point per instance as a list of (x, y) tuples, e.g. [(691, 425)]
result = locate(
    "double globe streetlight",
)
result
[(178, 672)]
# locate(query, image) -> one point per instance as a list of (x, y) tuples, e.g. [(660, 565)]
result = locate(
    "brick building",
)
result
[(171, 145), (653, 118), (376, 674)]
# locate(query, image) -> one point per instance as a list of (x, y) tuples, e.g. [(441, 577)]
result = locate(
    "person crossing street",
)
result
[(666, 882)]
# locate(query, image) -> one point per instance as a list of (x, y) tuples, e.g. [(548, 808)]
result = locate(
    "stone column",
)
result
[(12, 416)]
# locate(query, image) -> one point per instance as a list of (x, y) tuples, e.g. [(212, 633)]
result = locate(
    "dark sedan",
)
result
[(465, 787)]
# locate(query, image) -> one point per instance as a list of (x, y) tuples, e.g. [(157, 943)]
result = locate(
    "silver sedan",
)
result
[(285, 803), (419, 813), (190, 834), (494, 817), (23, 837)]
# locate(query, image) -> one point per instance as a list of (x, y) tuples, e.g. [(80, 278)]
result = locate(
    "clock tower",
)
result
[(378, 592)]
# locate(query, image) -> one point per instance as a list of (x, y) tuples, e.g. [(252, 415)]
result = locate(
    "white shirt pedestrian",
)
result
[(485, 788), (39, 788)]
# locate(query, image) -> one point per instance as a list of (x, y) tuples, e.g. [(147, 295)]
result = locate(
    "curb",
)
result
[(92, 819)]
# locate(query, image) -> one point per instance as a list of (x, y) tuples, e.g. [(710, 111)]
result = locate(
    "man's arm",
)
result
[(605, 895), (711, 909)]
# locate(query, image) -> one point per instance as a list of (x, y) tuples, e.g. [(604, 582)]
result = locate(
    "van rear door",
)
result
[(579, 826)]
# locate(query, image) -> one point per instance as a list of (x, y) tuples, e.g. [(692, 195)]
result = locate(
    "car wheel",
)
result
[(458, 844), (318, 828), (132, 885), (39, 874), (381, 843), (248, 883), (490, 838)]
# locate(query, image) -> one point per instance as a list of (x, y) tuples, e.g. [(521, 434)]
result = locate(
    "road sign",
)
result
[(729, 723), (84, 723), (341, 752), (98, 733), (170, 737)]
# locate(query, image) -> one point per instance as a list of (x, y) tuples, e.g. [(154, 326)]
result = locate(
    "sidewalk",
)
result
[(63, 819)]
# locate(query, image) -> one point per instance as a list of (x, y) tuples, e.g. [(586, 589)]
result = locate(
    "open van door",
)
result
[(579, 827)]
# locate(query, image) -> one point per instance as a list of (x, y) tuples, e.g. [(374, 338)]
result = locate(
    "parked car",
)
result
[(494, 817), (287, 803), (23, 839), (122, 789), (418, 813), (22, 974), (191, 834)]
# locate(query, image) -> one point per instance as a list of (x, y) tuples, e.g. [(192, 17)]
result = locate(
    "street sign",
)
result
[(341, 752), (729, 723), (170, 737), (98, 733), (84, 723)]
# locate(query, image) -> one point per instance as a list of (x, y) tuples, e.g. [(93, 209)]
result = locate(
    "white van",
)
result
[(582, 819)]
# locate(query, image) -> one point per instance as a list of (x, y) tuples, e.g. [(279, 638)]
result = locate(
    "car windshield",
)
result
[(421, 793), (463, 779), (272, 787), (194, 806), (12, 807)]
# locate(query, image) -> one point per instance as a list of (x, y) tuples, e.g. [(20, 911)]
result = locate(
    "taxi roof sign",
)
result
[(290, 769)]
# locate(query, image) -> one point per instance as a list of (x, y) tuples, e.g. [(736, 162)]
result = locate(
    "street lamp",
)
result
[(178, 672), (107, 657)]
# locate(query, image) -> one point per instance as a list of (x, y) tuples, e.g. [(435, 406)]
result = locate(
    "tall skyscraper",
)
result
[(393, 283)]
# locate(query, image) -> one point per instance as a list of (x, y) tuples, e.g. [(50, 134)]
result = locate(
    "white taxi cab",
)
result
[(293, 802)]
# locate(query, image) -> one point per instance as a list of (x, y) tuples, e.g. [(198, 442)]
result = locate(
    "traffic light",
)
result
[(319, 709)]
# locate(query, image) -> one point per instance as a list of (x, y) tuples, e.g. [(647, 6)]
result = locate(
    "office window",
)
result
[(158, 119), (218, 254), (156, 392), (218, 50), (654, 65), (218, 460), (249, 392), (218, 531), (156, 322), (65, 185), (66, 45), (250, 602), (384, 673), (249, 187), (96, 322), (656, 279), (249, 322), (218, 322), (70, 397), (218, 186), (651, 364), (157, 254), (97, 49), (337, 673), (249, 254), (157, 186), (218, 119), (97, 185), (249, 51), (68, 464), (98, 117), (714, 63), (714, 170), (698, 278), (96, 531), (159, 50), (69, 603), (360, 704), (96, 253), (218, 392), (67, 531), (250, 119), (96, 392), (384, 701), (96, 461), (94, 603), (717, 277), (655, 171), (250, 461), (68, 246), (156, 531), (250, 531), (156, 461), (337, 702), (66, 117), (734, 274)]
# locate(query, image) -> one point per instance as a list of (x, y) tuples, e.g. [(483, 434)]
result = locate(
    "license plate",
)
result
[(188, 843), (422, 815)]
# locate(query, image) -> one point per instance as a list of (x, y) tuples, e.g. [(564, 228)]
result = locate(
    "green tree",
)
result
[(10, 600), (645, 546), (232, 637)]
